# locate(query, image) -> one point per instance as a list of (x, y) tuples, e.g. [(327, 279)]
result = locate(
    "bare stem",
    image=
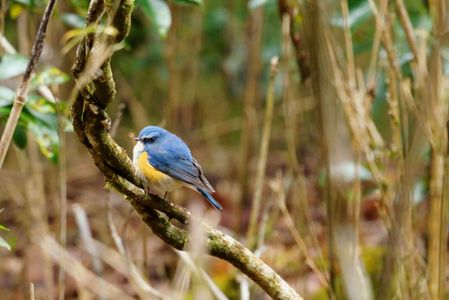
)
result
[(260, 177), (63, 194), (437, 217), (254, 40)]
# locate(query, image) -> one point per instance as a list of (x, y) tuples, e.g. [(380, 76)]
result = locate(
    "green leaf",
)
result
[(4, 228), (20, 136), (24, 2), (72, 37), (159, 13), (12, 65), (4, 244), (80, 6), (42, 110), (47, 140), (15, 10), (190, 2), (49, 76), (5, 111), (73, 20), (39, 116), (6, 96), (32, 3), (253, 4)]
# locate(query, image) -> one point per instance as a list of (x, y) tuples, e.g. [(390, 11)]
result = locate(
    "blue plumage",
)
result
[(210, 199), (169, 154)]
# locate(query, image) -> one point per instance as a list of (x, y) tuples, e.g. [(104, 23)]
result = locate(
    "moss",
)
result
[(104, 86), (96, 8), (105, 146), (122, 19), (172, 235), (80, 60), (77, 112), (146, 201), (229, 249)]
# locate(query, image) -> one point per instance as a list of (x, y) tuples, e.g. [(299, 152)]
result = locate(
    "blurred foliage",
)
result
[(159, 13), (219, 31), (39, 116)]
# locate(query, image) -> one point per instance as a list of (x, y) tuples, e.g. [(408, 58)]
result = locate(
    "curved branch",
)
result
[(91, 124)]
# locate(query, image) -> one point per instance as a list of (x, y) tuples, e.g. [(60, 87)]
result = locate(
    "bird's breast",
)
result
[(158, 182), (148, 171)]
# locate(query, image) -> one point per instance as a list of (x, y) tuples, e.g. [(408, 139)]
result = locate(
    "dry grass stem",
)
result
[(278, 188), (86, 237), (83, 276), (253, 72), (32, 291), (408, 29), (289, 118), (62, 189), (251, 236), (201, 274), (123, 264)]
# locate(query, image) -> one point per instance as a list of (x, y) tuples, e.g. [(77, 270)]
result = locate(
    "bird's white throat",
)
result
[(138, 149)]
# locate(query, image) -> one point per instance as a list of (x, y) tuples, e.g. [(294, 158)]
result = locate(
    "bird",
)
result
[(165, 162)]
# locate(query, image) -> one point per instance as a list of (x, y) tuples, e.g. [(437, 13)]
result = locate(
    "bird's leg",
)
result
[(150, 191), (165, 196)]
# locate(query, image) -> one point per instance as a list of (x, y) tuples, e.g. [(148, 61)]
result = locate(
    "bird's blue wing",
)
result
[(177, 162)]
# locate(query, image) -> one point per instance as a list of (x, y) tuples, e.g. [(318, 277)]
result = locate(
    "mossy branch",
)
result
[(92, 125)]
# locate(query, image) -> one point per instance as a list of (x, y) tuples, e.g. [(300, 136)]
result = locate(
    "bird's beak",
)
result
[(137, 139)]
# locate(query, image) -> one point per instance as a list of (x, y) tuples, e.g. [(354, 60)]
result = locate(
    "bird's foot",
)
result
[(150, 191), (153, 192)]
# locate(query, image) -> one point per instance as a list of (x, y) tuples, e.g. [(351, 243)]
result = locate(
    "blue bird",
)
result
[(165, 163)]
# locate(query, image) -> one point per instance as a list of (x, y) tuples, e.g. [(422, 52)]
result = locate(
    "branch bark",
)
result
[(92, 125)]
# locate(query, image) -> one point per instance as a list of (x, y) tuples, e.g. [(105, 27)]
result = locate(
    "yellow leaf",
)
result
[(15, 10)]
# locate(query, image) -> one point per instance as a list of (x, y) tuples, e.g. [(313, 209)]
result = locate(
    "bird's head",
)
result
[(156, 139), (151, 135)]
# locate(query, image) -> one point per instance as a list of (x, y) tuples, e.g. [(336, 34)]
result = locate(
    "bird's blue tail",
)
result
[(210, 198)]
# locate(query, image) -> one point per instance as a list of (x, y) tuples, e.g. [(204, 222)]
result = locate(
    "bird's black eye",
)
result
[(149, 139)]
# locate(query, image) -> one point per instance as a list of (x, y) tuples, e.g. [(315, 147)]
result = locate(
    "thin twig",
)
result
[(348, 43), (62, 192), (31, 291), (404, 18), (86, 237), (143, 288), (205, 278), (438, 106), (3, 11), (260, 177), (277, 187), (80, 273), (253, 70)]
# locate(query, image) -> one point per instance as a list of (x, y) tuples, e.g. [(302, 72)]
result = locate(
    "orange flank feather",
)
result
[(152, 175)]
